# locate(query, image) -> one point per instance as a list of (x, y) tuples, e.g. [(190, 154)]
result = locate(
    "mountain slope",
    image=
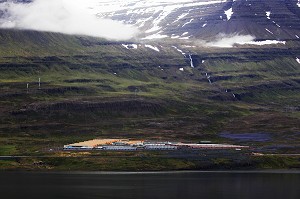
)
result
[(278, 19), (169, 88)]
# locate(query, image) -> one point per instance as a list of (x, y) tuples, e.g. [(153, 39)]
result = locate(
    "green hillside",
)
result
[(97, 88)]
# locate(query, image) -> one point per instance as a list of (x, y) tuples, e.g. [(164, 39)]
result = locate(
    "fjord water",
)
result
[(183, 185)]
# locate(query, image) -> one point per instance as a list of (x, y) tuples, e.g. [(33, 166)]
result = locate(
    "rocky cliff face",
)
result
[(264, 19)]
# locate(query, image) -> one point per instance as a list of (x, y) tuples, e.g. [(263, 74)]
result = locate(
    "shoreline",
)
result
[(150, 162), (254, 171)]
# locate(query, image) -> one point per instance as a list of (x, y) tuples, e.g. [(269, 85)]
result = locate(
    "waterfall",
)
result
[(192, 64)]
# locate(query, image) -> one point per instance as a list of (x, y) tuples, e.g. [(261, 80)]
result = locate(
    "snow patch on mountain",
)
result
[(268, 14), (179, 50), (276, 24), (175, 36), (228, 13), (152, 47), (130, 46), (181, 17), (188, 22), (269, 31), (184, 38), (163, 14)]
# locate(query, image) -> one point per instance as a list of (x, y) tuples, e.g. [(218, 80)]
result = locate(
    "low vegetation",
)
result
[(93, 88)]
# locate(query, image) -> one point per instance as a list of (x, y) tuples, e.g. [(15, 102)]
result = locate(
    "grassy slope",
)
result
[(94, 88)]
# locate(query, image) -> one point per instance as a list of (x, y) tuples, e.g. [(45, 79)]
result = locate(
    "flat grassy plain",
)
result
[(95, 88)]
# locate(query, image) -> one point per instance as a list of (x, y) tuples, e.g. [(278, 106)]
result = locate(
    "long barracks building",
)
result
[(133, 145)]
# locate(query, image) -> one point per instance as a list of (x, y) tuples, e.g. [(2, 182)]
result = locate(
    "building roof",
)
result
[(97, 142)]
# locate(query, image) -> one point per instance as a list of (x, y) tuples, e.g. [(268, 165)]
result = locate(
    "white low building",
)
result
[(159, 147), (70, 147), (118, 148)]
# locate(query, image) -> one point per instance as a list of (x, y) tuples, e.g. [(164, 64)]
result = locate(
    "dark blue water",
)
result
[(200, 185)]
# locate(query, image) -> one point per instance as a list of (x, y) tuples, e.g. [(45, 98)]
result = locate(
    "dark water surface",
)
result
[(183, 185)]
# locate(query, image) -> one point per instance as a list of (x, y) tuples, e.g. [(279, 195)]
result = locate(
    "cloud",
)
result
[(227, 41), (63, 16)]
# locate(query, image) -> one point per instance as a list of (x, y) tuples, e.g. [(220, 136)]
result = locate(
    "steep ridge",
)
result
[(276, 19)]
